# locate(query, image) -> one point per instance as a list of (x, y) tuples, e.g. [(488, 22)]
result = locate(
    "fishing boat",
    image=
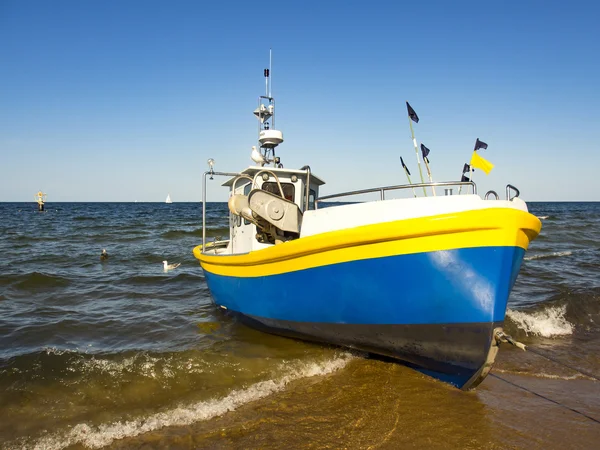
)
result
[(424, 279), (168, 200)]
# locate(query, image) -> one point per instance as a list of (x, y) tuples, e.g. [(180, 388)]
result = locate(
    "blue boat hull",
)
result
[(436, 311)]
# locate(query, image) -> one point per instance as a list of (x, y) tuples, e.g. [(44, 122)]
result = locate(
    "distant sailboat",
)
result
[(168, 200)]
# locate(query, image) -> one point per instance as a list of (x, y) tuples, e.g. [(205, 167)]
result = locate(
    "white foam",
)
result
[(543, 217), (544, 375), (102, 435), (56, 351), (148, 366), (547, 323), (549, 255), (144, 365)]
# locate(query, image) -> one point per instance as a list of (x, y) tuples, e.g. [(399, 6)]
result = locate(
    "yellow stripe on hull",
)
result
[(494, 227)]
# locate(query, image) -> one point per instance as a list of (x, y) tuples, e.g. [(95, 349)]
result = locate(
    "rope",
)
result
[(546, 398), (583, 372), (503, 337)]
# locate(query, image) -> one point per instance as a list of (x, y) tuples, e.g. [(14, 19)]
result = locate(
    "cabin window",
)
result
[(288, 189), (311, 200)]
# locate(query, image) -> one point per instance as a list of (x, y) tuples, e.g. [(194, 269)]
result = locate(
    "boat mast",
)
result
[(268, 137)]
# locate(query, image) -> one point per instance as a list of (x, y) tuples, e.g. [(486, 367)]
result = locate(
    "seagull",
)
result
[(103, 255), (168, 267), (257, 156)]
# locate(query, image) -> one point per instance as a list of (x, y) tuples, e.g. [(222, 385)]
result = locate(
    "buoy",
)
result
[(40, 198)]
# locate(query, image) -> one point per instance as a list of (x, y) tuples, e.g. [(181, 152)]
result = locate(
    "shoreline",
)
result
[(380, 405)]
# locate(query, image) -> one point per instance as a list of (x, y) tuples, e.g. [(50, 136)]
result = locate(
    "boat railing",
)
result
[(510, 187), (306, 201), (211, 173), (382, 190)]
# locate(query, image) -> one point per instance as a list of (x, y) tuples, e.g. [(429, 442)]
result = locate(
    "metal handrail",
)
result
[(238, 178), (211, 173), (494, 193), (307, 190), (274, 176), (384, 189), (508, 188)]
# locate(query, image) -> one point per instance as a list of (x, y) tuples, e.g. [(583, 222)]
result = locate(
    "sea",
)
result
[(120, 354)]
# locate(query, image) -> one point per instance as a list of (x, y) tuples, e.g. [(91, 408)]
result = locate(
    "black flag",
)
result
[(479, 144), (466, 168), (412, 114), (425, 151), (464, 178), (404, 165)]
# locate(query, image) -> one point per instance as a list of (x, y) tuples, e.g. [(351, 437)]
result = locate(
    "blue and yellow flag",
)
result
[(481, 163)]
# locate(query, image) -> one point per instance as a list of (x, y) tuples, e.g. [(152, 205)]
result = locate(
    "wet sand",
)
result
[(372, 404)]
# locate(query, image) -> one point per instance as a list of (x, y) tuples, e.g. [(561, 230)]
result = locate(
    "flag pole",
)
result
[(478, 144), (463, 178), (412, 115), (470, 173), (412, 133), (429, 175), (425, 152), (407, 172), (471, 165)]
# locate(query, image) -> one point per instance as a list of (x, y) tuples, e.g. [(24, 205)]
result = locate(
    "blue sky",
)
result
[(126, 100)]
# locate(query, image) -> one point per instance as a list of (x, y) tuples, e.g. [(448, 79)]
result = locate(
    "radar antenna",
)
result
[(268, 136)]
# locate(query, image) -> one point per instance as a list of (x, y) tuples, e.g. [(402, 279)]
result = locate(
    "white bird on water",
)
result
[(168, 266)]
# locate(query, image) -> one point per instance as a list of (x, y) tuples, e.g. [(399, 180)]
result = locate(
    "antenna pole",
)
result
[(270, 70), (266, 82)]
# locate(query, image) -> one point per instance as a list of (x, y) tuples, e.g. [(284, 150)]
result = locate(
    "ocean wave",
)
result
[(26, 239), (549, 376), (549, 255), (59, 351), (77, 365), (177, 234), (84, 218), (220, 231), (161, 277), (37, 280), (102, 435), (548, 322), (142, 364), (542, 217)]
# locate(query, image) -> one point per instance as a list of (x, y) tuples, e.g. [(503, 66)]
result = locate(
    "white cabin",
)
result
[(243, 233)]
